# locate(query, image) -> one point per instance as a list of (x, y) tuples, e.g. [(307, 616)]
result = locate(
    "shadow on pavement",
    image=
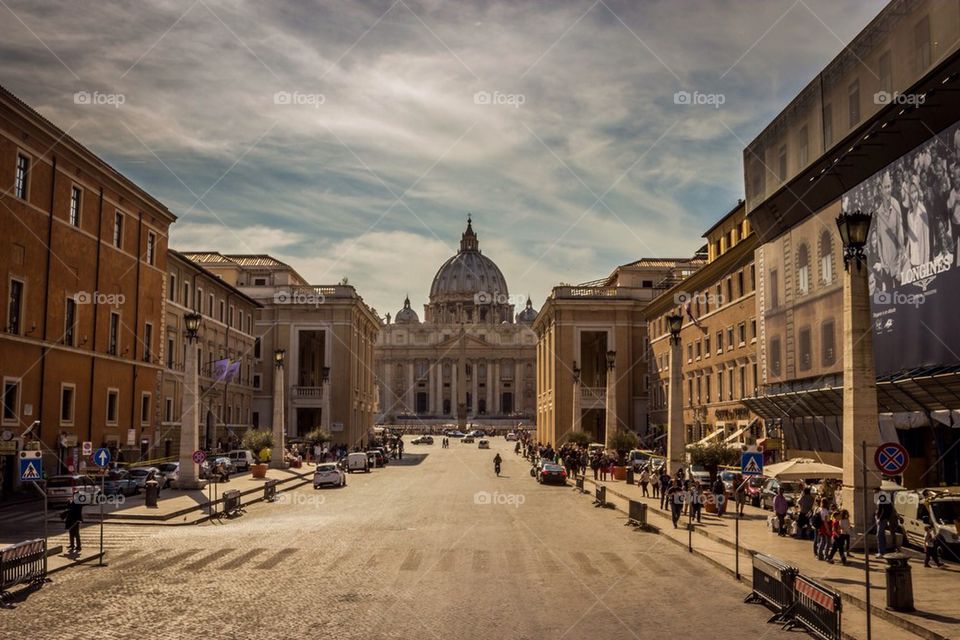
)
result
[(409, 459)]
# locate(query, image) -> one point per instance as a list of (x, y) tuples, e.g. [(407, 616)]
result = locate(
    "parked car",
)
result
[(383, 452), (477, 433), (61, 488), (327, 473), (754, 487), (376, 458), (357, 461), (937, 508), (792, 489), (731, 479), (511, 437), (241, 459), (483, 444), (422, 440), (119, 482), (170, 471), (639, 458), (551, 473), (455, 434), (212, 463), (140, 474), (468, 440), (699, 473)]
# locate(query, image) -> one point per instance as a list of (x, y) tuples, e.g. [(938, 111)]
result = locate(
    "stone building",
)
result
[(470, 358)]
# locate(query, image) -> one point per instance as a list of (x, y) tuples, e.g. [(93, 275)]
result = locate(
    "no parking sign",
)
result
[(891, 458)]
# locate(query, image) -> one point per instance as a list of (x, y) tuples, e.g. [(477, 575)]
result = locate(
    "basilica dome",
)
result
[(469, 276), (407, 315), (528, 315)]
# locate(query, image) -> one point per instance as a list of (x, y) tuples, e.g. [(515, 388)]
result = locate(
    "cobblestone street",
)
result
[(402, 552)]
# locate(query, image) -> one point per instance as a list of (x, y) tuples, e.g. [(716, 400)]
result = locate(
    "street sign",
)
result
[(31, 466), (751, 463), (199, 456), (101, 457), (86, 449), (891, 458)]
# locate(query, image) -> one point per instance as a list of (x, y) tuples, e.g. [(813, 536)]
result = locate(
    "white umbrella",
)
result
[(803, 469)]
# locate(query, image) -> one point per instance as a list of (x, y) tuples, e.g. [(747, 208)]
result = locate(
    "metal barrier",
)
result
[(579, 484), (816, 608), (773, 585), (22, 563), (231, 502), (637, 513), (600, 496), (270, 490)]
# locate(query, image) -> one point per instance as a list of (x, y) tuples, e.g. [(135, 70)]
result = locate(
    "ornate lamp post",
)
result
[(190, 406), (575, 427), (325, 381), (279, 430), (675, 432), (861, 433), (610, 426)]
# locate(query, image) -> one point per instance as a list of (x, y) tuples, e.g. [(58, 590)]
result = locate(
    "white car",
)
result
[(329, 474), (140, 474), (511, 437), (170, 471), (241, 459), (483, 444), (358, 461)]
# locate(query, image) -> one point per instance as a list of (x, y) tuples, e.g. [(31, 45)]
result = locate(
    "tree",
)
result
[(714, 455), (317, 436), (622, 442), (579, 438), (260, 442)]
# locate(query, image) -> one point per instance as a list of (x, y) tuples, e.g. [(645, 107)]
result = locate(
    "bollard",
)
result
[(899, 582), (629, 478), (151, 493)]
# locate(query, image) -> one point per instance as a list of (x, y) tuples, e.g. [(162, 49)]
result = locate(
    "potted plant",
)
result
[(314, 438), (711, 457), (260, 443), (622, 442), (579, 438)]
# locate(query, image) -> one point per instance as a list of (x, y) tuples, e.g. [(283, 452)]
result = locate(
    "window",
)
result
[(66, 404), (853, 96), (186, 294), (23, 175), (151, 246), (743, 381), (113, 340), (172, 289), (775, 356), (170, 347), (827, 126), (198, 305), (826, 257), (730, 373), (689, 352), (742, 332), (706, 390), (113, 399), (719, 341), (230, 316), (145, 408), (75, 194), (827, 343), (803, 270), (256, 381), (11, 400), (210, 305), (259, 282), (753, 368), (222, 306), (753, 329), (885, 72), (706, 346), (15, 307), (118, 230), (774, 289), (729, 297), (806, 359), (690, 391), (782, 163), (147, 341), (740, 289), (730, 342), (698, 349), (921, 39), (168, 409), (719, 386), (803, 147), (69, 322), (256, 348), (753, 278), (699, 397)]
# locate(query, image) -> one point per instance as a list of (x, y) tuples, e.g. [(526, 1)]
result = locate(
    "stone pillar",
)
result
[(860, 422), (611, 425), (439, 376), (475, 389), (411, 389), (488, 391), (279, 429), (454, 390), (577, 400), (676, 447), (432, 388), (496, 387), (189, 419), (389, 404), (518, 386)]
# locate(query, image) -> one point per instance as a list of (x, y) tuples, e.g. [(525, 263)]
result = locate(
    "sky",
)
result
[(352, 139)]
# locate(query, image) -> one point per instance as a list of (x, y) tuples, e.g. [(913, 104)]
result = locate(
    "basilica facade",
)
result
[(470, 358)]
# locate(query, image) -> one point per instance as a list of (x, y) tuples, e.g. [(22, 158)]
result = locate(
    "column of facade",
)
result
[(389, 403), (432, 389), (496, 387), (454, 396), (411, 392), (440, 388), (518, 386), (474, 400), (488, 390)]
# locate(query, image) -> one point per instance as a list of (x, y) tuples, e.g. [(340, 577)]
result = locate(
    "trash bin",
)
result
[(629, 478), (151, 493), (899, 582)]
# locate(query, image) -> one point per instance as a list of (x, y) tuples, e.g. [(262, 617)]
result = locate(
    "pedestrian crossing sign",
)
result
[(31, 466), (751, 463)]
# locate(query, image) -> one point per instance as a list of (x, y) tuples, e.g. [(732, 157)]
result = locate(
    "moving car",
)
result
[(791, 491), (699, 473), (376, 458), (211, 463), (140, 474), (594, 447), (241, 459), (476, 433), (483, 444), (551, 473), (119, 483), (422, 440), (731, 479), (455, 434), (357, 461), (638, 459), (937, 508), (511, 437), (60, 489), (467, 440), (328, 474)]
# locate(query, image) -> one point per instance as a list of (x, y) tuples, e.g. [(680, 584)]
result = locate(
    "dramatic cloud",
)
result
[(352, 138)]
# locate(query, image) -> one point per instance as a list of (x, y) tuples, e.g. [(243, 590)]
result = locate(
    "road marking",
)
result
[(618, 564), (199, 563), (412, 561), (242, 559), (166, 563), (447, 560), (585, 565), (481, 561), (514, 561), (277, 558), (546, 560), (155, 554)]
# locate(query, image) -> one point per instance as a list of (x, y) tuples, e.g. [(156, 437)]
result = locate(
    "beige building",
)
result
[(226, 344), (577, 328), (327, 333), (471, 358)]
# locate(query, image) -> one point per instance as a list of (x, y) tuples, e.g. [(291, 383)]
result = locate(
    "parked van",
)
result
[(241, 459), (638, 458), (594, 447), (357, 461), (934, 507)]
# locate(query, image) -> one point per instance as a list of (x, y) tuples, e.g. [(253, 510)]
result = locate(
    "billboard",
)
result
[(913, 251)]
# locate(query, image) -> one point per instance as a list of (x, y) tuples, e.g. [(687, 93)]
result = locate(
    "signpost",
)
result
[(751, 465), (31, 470), (199, 456), (101, 457), (86, 449), (891, 458)]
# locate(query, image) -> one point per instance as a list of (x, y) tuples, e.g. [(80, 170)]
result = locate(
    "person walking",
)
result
[(780, 509), (718, 496), (595, 465), (841, 536), (930, 549), (675, 498), (655, 481), (664, 488), (72, 519), (821, 524), (804, 512), (697, 500), (644, 481), (741, 493)]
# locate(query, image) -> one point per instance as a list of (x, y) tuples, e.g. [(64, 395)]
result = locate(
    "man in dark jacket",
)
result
[(72, 519)]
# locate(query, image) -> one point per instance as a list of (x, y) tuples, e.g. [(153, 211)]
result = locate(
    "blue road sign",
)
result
[(101, 457), (751, 463), (31, 466)]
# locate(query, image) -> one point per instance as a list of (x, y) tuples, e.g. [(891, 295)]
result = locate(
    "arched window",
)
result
[(803, 270), (826, 257)]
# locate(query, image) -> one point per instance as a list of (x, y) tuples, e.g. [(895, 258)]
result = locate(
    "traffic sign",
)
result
[(751, 463), (101, 457), (31, 466), (891, 458), (199, 456), (86, 448)]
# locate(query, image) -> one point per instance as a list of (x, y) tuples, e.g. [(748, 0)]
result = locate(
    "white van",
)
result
[(934, 507), (357, 461), (241, 459)]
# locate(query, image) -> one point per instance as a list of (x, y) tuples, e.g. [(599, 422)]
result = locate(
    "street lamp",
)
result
[(191, 322), (675, 323), (576, 373), (278, 449), (854, 228), (325, 375), (611, 359), (676, 446), (278, 357), (575, 427), (190, 406)]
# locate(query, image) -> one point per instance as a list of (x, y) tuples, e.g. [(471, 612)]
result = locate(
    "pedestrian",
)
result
[(595, 465), (930, 548), (655, 481), (644, 481), (675, 498), (72, 519), (718, 495), (804, 512), (741, 494), (841, 536), (821, 525), (603, 468), (883, 519), (780, 509), (697, 500), (664, 488)]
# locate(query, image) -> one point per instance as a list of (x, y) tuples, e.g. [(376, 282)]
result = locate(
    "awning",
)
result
[(736, 434), (803, 469), (709, 437)]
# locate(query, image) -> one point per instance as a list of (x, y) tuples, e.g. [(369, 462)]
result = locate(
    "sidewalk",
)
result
[(936, 591)]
